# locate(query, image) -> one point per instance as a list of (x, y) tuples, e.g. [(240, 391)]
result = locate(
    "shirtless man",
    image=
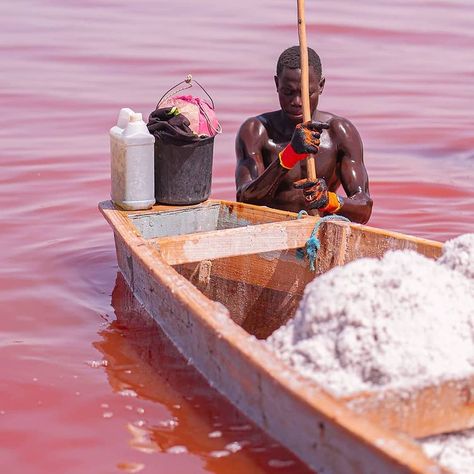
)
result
[(272, 148)]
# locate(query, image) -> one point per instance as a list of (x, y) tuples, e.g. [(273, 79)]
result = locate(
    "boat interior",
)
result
[(259, 277)]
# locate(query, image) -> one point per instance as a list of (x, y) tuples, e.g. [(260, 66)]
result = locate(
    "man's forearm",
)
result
[(262, 189)]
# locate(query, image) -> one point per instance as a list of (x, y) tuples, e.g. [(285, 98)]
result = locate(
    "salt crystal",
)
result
[(169, 423), (219, 454), (97, 363), (127, 392), (234, 447), (401, 321), (177, 450)]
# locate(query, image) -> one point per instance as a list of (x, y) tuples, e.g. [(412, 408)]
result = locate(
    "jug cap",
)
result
[(124, 117), (136, 117)]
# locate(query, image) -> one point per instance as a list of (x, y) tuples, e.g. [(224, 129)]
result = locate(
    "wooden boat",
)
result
[(220, 276)]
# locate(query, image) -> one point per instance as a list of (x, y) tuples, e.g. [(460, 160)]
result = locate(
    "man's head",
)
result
[(288, 82)]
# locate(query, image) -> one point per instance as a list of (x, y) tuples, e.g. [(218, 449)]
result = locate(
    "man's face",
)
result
[(288, 85)]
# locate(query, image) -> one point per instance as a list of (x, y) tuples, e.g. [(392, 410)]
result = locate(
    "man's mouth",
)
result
[(295, 115)]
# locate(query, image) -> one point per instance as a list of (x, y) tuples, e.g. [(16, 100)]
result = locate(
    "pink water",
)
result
[(84, 389)]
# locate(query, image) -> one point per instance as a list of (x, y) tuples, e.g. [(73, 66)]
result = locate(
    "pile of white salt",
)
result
[(399, 322), (454, 451), (458, 254)]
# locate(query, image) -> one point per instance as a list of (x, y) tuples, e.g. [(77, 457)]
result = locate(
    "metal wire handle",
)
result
[(189, 83), (208, 120)]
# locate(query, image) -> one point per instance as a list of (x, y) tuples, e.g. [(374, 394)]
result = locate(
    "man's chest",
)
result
[(325, 160)]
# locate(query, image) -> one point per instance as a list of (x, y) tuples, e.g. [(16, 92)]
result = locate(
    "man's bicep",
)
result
[(354, 177)]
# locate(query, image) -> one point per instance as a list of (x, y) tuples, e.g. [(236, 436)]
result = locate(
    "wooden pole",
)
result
[(310, 164)]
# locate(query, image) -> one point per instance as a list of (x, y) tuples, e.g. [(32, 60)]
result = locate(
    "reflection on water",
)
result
[(143, 364)]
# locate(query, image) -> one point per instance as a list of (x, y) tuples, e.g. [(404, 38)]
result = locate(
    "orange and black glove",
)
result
[(305, 140), (318, 197)]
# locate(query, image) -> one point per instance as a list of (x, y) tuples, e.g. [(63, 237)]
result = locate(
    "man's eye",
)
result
[(288, 93)]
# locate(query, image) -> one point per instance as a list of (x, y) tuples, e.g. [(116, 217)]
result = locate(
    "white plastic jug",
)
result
[(132, 162)]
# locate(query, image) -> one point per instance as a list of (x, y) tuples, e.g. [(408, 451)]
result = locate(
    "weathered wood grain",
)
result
[(238, 241), (420, 412)]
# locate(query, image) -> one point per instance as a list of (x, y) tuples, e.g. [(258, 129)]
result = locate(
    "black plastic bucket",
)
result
[(183, 173)]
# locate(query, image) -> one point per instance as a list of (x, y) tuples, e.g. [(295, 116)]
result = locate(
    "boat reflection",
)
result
[(142, 360)]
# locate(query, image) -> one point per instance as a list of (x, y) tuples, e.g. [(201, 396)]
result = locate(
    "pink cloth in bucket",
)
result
[(200, 114)]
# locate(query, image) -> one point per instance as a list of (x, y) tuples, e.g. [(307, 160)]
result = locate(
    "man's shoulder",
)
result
[(338, 126), (251, 122), (264, 119), (333, 119), (269, 117), (258, 125), (251, 129)]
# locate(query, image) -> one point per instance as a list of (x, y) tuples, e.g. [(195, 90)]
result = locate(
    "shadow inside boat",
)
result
[(141, 358)]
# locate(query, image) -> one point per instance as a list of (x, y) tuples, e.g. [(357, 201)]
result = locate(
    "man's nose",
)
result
[(297, 100)]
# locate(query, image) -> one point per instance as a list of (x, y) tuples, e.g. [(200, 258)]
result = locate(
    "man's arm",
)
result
[(357, 206), (255, 183)]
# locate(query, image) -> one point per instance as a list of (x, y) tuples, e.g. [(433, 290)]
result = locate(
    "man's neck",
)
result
[(286, 126)]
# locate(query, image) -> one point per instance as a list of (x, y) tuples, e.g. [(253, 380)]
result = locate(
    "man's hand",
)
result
[(318, 197), (305, 140)]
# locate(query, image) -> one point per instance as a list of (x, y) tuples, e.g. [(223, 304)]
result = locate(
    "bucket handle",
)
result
[(189, 83), (208, 120)]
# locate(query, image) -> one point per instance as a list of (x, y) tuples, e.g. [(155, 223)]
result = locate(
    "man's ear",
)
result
[(321, 84), (276, 81)]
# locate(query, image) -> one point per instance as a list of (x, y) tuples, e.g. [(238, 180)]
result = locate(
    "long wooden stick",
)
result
[(310, 164)]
